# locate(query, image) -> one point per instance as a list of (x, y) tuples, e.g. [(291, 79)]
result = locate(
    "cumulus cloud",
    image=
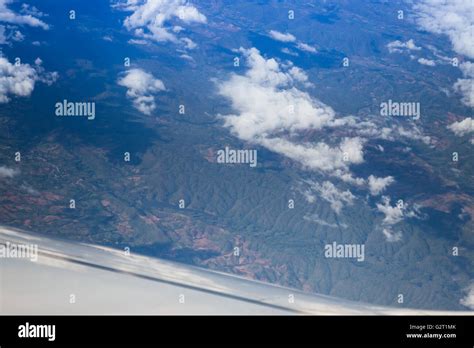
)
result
[(374, 129), (465, 86), (392, 236), (19, 80), (331, 194), (468, 300), (141, 87), (393, 214), (153, 20), (31, 10), (6, 172), (399, 46), (378, 185), (413, 133), (283, 37), (463, 127), (188, 43), (9, 34), (272, 110), (287, 37), (29, 16), (425, 61), (452, 18), (305, 47)]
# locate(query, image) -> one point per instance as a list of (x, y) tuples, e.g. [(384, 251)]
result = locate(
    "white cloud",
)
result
[(314, 218), (151, 19), (188, 43), (425, 61), (287, 37), (399, 46), (305, 47), (465, 86), (19, 80), (378, 185), (452, 18), (309, 196), (413, 133), (286, 50), (392, 236), (272, 111), (6, 172), (31, 10), (187, 57), (393, 214), (468, 300), (463, 127), (283, 37), (141, 88), (3, 35), (138, 42), (329, 192), (18, 36), (8, 34), (28, 18)]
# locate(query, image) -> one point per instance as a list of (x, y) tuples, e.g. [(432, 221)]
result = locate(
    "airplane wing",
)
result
[(76, 278)]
